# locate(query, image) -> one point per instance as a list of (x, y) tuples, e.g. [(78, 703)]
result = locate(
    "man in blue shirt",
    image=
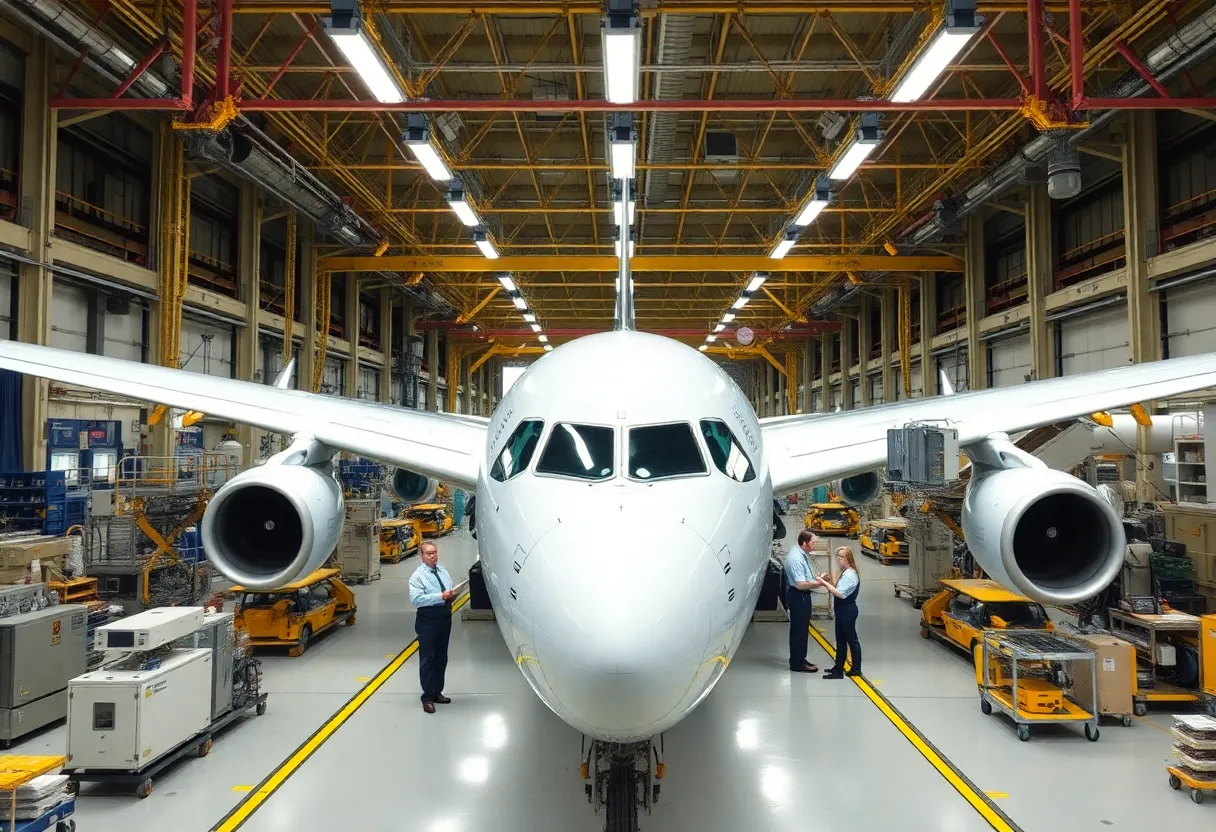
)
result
[(800, 580), (431, 593)]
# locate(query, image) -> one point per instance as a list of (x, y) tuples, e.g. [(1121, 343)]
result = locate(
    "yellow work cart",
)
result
[(292, 615), (833, 520), (884, 540), (433, 518), (968, 607), (1017, 672), (399, 538), (16, 771), (1148, 632)]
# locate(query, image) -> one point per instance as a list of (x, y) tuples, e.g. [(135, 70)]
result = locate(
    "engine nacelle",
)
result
[(414, 488), (273, 524), (859, 489), (1043, 533)]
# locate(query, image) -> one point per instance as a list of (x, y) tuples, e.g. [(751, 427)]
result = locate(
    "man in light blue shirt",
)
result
[(800, 580), (431, 593)]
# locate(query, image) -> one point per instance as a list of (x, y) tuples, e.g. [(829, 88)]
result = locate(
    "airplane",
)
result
[(624, 487)]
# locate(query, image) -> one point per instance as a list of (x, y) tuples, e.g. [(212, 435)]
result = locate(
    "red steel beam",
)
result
[(1076, 50), (308, 33), (1038, 66), (850, 105), (139, 69), (223, 58), (1001, 52), (1143, 71), (1150, 103), (189, 47), (466, 332)]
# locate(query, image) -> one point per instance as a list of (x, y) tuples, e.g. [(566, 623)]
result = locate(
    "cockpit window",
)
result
[(582, 451), (661, 451), (726, 452), (516, 454)]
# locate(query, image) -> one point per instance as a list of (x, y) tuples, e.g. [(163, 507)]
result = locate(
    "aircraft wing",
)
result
[(819, 448), (434, 444)]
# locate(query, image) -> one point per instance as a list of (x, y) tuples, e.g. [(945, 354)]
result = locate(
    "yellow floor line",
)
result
[(254, 800), (979, 801)]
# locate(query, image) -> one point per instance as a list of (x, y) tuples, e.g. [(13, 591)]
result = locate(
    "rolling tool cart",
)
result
[(1195, 748), (17, 773)]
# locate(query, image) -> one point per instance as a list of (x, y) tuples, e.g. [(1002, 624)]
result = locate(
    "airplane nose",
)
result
[(622, 641)]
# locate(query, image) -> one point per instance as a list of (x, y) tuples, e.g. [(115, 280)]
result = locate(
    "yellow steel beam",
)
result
[(452, 373), (644, 263), (289, 285), (791, 386), (490, 352), (472, 313), (792, 314), (535, 9)]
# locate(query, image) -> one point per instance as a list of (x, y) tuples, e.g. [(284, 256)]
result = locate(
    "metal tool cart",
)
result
[(1195, 748), (1021, 675), (15, 772), (1144, 631)]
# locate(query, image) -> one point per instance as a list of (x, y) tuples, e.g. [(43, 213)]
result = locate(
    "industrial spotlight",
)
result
[(615, 192), (821, 195), (621, 41), (346, 30), (417, 137), (482, 240), (460, 204), (865, 141), (784, 244), (622, 145), (958, 26)]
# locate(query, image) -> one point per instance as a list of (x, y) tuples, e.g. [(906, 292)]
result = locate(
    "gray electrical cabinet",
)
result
[(219, 636), (922, 455), (39, 652)]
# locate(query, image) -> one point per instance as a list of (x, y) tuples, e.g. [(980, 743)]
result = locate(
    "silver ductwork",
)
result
[(253, 156), (674, 43), (1189, 45), (74, 33)]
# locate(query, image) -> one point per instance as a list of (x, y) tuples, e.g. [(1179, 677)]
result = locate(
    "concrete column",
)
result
[(431, 357), (351, 387), (248, 344), (863, 348), (1142, 226), (386, 346), (483, 390), (928, 326), (768, 391), (808, 374), (34, 283), (976, 295), (847, 328), (825, 374), (306, 253), (466, 383), (888, 339), (1039, 268)]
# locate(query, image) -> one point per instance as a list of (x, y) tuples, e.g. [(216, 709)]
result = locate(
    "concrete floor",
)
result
[(767, 750)]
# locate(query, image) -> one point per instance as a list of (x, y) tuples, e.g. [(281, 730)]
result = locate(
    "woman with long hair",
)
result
[(845, 587)]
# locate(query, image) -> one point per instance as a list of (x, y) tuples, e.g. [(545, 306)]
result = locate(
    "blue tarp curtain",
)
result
[(10, 421)]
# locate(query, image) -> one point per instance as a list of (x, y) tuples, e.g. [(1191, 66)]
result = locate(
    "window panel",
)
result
[(516, 454), (582, 451), (662, 451), (726, 452)]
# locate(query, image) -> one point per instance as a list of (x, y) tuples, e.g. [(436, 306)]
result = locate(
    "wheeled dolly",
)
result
[(1180, 777)]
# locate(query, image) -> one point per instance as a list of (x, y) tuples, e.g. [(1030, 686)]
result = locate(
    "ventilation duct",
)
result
[(834, 299), (672, 49), (1189, 45), (73, 33), (253, 156)]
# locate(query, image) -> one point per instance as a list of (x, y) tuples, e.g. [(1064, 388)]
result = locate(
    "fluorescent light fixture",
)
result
[(507, 282), (616, 247), (482, 241), (529, 318), (719, 328), (616, 212), (742, 301), (460, 204), (417, 137), (709, 339), (548, 348), (866, 140), (703, 347), (346, 31), (622, 146), (821, 196), (959, 27), (757, 282), (621, 40), (728, 317), (544, 339), (784, 245), (519, 302), (536, 327)]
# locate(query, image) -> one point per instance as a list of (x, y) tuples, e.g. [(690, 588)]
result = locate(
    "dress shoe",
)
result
[(429, 707), (442, 700), (833, 674), (853, 673), (810, 668)]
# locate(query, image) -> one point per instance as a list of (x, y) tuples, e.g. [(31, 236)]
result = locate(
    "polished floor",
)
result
[(767, 750)]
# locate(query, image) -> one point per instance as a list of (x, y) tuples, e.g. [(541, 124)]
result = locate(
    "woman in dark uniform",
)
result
[(846, 588)]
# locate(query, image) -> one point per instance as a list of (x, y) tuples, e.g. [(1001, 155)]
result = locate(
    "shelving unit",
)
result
[(34, 501), (1190, 470)]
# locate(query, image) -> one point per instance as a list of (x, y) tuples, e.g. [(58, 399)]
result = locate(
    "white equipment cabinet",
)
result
[(124, 717)]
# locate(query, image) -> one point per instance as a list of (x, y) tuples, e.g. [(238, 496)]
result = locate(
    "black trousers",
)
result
[(799, 605), (846, 637), (434, 628)]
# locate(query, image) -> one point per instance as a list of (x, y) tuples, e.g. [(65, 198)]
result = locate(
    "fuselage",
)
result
[(624, 521)]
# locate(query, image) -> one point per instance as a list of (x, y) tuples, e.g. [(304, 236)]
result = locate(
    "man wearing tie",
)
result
[(431, 593)]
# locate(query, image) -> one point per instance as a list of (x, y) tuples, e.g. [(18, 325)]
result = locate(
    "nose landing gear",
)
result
[(621, 779)]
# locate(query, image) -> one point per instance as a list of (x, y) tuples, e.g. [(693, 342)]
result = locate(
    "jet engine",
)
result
[(1043, 533), (276, 523), (414, 488), (858, 489)]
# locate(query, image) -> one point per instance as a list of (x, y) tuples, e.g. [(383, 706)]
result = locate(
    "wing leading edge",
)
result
[(810, 450), (437, 445)]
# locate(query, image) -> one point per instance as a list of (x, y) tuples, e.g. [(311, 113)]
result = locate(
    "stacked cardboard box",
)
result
[(358, 552), (1195, 527), (23, 555)]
